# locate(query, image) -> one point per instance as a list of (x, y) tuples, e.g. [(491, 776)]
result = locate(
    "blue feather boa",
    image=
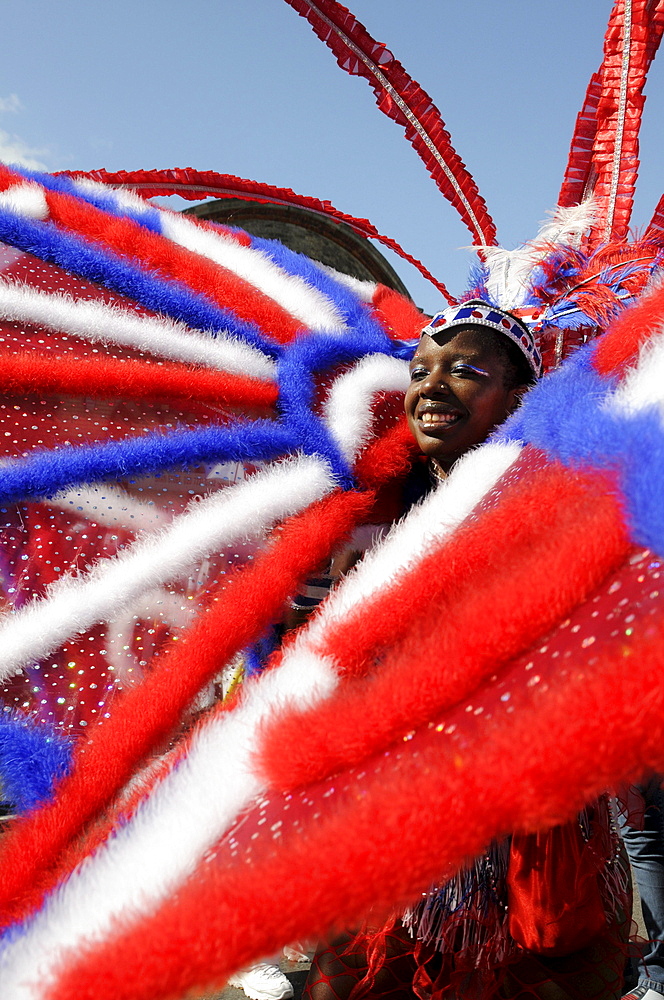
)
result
[(32, 758), (42, 474)]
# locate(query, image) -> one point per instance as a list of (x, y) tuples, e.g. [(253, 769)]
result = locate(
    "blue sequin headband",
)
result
[(481, 313)]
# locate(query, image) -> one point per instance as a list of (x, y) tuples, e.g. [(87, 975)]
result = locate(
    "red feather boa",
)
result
[(557, 555), (30, 372), (411, 815)]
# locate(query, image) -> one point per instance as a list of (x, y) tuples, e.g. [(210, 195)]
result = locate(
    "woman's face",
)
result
[(457, 393)]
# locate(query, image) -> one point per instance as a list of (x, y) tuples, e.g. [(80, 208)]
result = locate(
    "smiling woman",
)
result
[(466, 377)]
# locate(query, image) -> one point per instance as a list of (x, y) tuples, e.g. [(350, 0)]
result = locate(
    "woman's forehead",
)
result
[(471, 342)]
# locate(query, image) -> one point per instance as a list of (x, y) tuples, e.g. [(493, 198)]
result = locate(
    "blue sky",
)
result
[(246, 88)]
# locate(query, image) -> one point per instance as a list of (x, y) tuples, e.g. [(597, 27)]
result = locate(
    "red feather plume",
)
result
[(604, 156)]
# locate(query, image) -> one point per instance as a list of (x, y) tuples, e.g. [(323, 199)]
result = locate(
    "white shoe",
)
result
[(263, 982)]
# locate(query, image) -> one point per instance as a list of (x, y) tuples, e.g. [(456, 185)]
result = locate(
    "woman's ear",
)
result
[(515, 396)]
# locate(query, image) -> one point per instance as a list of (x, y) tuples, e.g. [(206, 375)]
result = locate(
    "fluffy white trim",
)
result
[(143, 862), (365, 290), (348, 405), (511, 271), (26, 199), (98, 322), (74, 603), (124, 197), (291, 292), (643, 385), (427, 524)]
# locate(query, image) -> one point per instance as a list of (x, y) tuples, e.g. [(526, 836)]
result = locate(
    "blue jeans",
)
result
[(645, 849)]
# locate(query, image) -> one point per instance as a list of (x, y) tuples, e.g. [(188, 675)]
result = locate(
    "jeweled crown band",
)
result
[(478, 313)]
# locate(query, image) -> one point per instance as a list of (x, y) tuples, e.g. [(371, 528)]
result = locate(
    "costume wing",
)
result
[(194, 420)]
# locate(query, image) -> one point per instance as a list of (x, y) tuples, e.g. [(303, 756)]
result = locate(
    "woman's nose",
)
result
[(434, 383)]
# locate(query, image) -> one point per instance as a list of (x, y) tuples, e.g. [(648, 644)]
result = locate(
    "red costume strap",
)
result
[(194, 185)]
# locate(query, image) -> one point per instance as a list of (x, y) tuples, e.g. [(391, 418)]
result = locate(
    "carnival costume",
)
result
[(195, 419)]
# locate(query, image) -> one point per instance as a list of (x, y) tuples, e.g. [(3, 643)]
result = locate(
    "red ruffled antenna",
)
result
[(604, 156), (403, 100), (579, 179), (194, 185)]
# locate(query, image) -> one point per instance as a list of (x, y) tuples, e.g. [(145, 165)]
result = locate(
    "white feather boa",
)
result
[(98, 322), (193, 805), (348, 405), (307, 304), (74, 603)]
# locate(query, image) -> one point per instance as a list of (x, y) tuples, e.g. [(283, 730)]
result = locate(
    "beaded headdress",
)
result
[(478, 313)]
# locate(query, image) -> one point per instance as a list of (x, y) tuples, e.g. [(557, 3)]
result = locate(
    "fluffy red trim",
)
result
[(557, 554), (408, 817), (28, 372), (629, 331), (144, 716), (400, 316), (389, 457)]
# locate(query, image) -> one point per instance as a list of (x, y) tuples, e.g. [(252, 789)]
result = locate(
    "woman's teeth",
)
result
[(439, 418)]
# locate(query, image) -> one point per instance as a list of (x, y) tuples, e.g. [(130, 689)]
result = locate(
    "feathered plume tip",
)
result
[(508, 278), (564, 294)]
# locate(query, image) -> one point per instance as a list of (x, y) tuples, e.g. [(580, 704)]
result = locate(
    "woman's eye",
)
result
[(417, 374), (469, 371)]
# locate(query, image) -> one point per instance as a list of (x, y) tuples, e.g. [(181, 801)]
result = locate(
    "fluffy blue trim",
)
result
[(104, 268), (32, 758), (45, 473), (297, 386), (565, 417)]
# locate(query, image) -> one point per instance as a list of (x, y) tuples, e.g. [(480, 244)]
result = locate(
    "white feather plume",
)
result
[(510, 271)]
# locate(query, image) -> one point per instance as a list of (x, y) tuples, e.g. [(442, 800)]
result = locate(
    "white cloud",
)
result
[(10, 104), (14, 150)]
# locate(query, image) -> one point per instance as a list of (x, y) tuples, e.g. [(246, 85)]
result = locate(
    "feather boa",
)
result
[(32, 758), (290, 291), (29, 372), (101, 323), (348, 405), (43, 474), (74, 604), (194, 185)]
